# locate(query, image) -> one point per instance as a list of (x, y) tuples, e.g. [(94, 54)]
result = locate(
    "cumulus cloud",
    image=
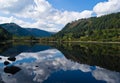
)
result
[(16, 20), (42, 6), (107, 7), (44, 15), (14, 6)]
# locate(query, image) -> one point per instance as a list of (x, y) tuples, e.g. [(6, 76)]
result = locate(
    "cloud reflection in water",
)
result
[(37, 67)]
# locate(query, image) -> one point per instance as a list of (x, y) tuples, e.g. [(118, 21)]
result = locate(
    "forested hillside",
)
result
[(38, 33), (19, 31), (4, 35), (104, 28), (15, 29)]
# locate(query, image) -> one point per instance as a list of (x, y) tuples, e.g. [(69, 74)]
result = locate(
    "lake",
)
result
[(60, 63)]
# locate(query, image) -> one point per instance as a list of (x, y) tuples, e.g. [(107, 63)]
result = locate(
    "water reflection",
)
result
[(52, 66), (106, 75), (14, 50), (103, 55)]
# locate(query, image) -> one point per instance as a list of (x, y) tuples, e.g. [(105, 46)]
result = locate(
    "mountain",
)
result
[(104, 28), (17, 30), (4, 34), (38, 33)]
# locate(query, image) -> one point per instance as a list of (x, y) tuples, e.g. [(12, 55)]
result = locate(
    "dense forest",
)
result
[(4, 35), (104, 28)]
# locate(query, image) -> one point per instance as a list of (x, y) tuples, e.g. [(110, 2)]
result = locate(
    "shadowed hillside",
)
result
[(4, 35)]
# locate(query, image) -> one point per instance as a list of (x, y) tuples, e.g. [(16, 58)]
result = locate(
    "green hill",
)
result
[(4, 35), (104, 28), (39, 33), (17, 30)]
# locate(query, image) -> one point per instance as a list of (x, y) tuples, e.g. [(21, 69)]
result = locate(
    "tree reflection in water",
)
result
[(98, 62)]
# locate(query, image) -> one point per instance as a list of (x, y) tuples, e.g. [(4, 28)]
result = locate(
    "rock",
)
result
[(12, 58), (11, 69), (6, 63), (36, 66)]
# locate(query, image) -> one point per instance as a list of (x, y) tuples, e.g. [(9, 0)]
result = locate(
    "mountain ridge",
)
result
[(35, 32), (17, 30)]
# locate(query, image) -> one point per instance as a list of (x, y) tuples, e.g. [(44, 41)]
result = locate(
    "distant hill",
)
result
[(17, 30), (104, 28), (38, 32), (4, 34)]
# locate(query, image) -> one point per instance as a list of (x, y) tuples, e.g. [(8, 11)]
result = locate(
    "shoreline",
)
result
[(84, 42), (107, 42)]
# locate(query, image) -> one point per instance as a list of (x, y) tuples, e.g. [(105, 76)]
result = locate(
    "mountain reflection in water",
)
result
[(103, 55), (73, 63)]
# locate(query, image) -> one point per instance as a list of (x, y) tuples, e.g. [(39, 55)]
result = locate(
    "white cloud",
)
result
[(14, 6), (66, 16), (13, 19), (110, 6), (42, 6), (41, 11)]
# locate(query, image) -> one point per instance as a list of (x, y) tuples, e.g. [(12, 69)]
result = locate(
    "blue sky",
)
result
[(53, 15), (74, 5)]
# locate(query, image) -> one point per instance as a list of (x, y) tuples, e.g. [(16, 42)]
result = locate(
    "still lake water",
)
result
[(66, 63)]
